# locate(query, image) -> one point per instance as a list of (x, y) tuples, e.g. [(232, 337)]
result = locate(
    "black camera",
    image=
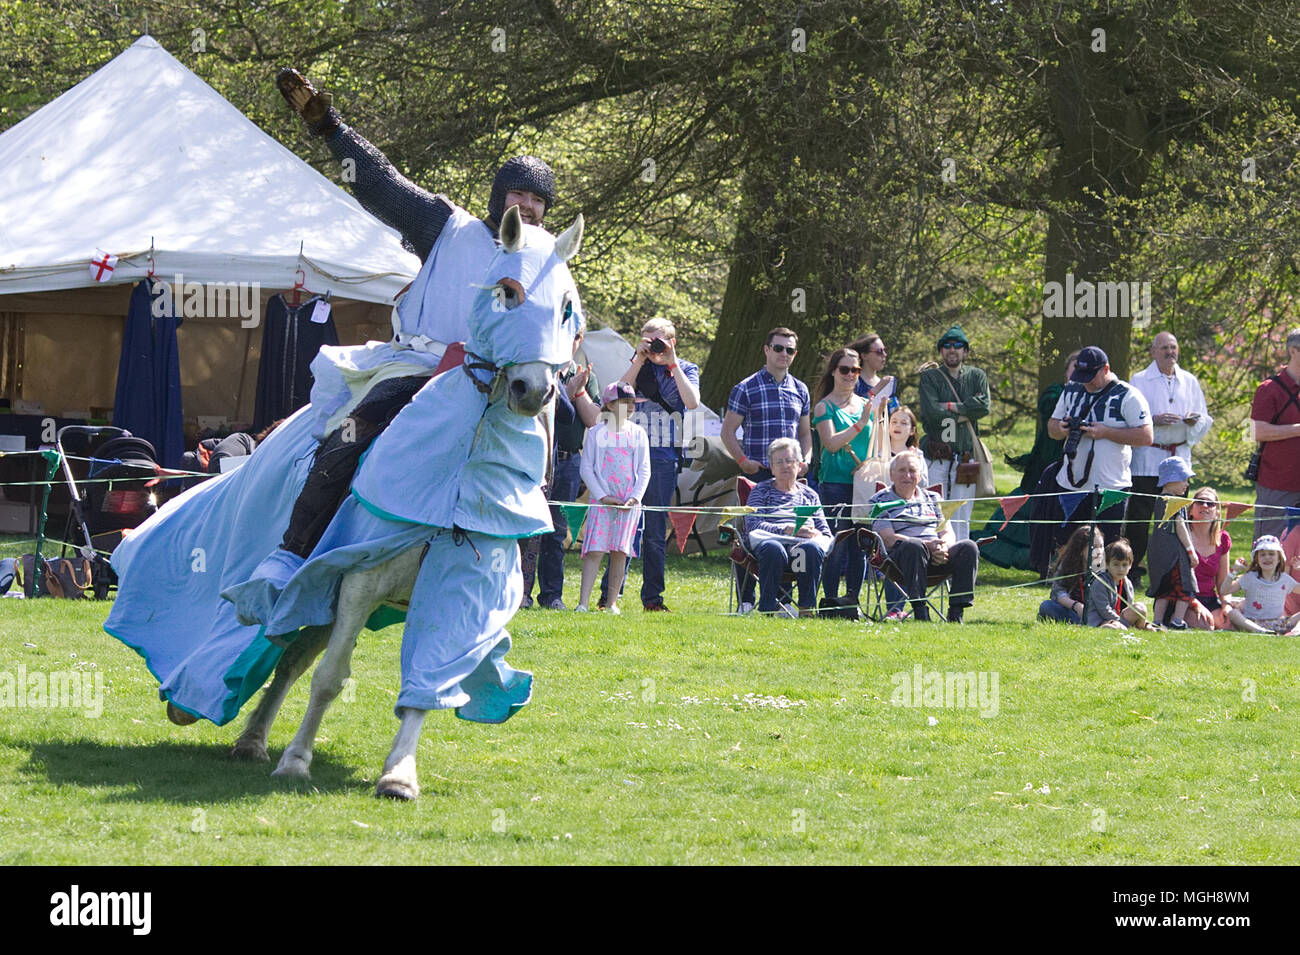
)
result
[(1252, 469), (658, 346), (1075, 427)]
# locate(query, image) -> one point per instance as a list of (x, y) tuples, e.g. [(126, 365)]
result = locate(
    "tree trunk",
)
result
[(1106, 145)]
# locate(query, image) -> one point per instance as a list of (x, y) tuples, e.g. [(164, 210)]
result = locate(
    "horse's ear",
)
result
[(567, 245), (512, 230)]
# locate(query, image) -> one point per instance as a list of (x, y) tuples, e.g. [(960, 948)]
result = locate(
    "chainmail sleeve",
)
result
[(388, 195)]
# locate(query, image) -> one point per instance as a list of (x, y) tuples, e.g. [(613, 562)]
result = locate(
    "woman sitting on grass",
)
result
[(1078, 561), (1212, 544), (1265, 585)]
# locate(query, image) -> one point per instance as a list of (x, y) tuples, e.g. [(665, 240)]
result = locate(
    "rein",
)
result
[(482, 364)]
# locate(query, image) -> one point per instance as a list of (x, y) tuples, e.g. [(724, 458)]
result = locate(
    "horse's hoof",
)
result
[(392, 787), (179, 716), (292, 768), (250, 751)]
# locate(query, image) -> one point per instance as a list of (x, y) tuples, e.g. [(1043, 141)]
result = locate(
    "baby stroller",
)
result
[(118, 477)]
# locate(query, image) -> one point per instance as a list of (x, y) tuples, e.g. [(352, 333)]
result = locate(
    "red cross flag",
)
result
[(102, 265)]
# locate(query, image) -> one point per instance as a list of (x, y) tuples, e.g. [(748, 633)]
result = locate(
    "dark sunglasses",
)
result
[(782, 349), (848, 370), (876, 351), (1212, 505), (952, 344)]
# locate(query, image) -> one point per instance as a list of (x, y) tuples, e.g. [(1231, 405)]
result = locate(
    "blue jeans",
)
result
[(1053, 612), (774, 560), (847, 558), (565, 481), (651, 543)]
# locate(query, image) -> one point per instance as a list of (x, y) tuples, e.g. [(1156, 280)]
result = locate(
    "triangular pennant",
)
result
[(1070, 503), (948, 509), (878, 509), (1010, 506), (736, 510), (682, 524), (1292, 518), (574, 515), (802, 512), (1111, 497), (1176, 504), (1234, 509)]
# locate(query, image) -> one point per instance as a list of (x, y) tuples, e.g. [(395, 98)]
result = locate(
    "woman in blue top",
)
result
[(840, 417)]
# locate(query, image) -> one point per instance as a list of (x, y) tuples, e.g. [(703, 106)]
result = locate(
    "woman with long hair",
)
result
[(840, 417)]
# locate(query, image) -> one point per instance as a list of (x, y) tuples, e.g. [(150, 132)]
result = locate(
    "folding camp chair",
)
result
[(744, 563), (880, 568)]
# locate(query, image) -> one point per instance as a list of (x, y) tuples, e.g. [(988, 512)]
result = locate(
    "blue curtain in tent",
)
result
[(148, 402)]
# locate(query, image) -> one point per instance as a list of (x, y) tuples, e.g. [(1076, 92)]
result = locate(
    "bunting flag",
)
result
[(802, 512), (682, 524), (1176, 504), (1070, 503), (948, 509), (1234, 510), (575, 515), (102, 265), (736, 510), (1010, 507), (1109, 498), (878, 509), (1292, 518)]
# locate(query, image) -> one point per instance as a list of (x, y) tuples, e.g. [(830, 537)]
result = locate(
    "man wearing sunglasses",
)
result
[(770, 404), (954, 396)]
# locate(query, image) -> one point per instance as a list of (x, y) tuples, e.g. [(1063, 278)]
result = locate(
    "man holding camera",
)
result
[(666, 388), (1275, 424), (1180, 419), (1101, 420)]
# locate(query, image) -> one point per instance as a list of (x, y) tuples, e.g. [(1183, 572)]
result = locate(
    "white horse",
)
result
[(526, 385)]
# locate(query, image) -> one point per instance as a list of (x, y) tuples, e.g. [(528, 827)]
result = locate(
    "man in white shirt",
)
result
[(1111, 418), (1180, 420)]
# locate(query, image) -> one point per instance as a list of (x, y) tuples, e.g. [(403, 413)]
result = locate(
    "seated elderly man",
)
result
[(908, 522), (773, 539)]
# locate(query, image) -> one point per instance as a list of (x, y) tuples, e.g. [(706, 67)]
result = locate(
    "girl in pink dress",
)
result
[(616, 470)]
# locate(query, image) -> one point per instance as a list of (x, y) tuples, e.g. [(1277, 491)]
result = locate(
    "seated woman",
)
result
[(1212, 543), (908, 524), (775, 542)]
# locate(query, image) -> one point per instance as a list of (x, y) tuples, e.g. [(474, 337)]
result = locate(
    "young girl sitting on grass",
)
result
[(1069, 597), (1265, 585), (1110, 594), (616, 470)]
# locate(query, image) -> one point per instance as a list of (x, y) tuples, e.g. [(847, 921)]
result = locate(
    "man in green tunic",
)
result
[(954, 396)]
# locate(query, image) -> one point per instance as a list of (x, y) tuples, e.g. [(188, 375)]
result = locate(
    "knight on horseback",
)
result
[(358, 390)]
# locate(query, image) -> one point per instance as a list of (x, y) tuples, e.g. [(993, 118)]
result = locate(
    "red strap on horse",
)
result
[(453, 356)]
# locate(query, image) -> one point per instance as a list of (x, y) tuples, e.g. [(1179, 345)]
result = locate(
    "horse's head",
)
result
[(528, 315)]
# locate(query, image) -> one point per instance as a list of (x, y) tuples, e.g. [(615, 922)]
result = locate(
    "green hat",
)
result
[(954, 334)]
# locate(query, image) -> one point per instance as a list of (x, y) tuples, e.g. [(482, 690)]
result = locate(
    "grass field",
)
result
[(695, 737)]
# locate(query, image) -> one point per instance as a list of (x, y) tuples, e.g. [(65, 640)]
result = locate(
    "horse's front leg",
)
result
[(326, 683), (251, 744), (399, 780)]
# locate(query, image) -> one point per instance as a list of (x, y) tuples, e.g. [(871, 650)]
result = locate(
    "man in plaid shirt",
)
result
[(770, 404)]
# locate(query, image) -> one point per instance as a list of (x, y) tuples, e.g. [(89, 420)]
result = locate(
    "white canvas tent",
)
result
[(141, 152)]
